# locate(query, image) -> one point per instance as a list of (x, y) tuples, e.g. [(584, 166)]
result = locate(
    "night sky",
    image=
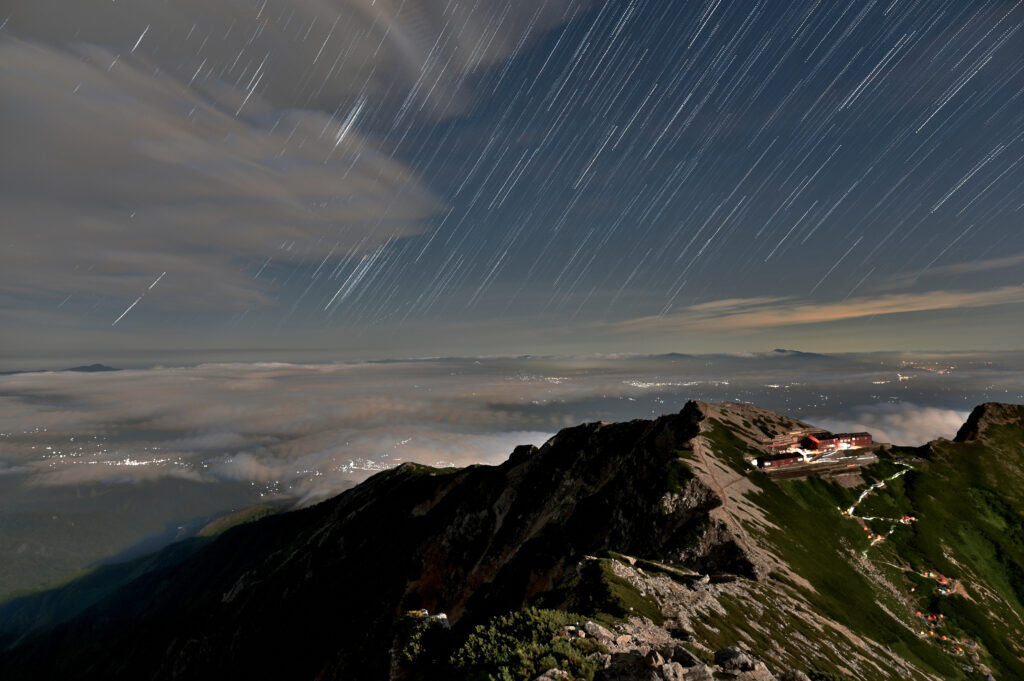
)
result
[(308, 180)]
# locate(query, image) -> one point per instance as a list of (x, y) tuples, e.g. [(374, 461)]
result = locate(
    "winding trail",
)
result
[(851, 512)]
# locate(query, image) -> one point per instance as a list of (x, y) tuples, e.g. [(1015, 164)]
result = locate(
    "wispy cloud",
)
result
[(760, 313), (727, 306), (901, 424), (301, 430), (203, 142), (166, 181), (309, 430), (957, 269)]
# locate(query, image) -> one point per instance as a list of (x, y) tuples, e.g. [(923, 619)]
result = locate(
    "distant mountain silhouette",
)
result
[(90, 368), (85, 368)]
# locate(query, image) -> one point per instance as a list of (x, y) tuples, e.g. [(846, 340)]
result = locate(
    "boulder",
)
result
[(654, 658), (681, 655), (701, 672), (733, 659), (600, 633), (629, 667), (794, 675), (553, 675), (673, 671)]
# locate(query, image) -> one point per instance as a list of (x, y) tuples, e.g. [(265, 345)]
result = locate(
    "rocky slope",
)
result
[(657, 533), (987, 415)]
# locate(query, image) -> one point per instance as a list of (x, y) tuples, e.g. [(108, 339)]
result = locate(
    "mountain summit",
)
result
[(987, 415), (648, 547)]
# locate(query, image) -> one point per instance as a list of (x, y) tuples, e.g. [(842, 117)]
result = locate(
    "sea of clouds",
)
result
[(92, 464), (305, 431)]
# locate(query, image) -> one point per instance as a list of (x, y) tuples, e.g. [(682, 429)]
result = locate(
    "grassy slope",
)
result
[(968, 499)]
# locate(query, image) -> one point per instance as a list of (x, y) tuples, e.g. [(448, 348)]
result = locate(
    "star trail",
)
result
[(396, 178)]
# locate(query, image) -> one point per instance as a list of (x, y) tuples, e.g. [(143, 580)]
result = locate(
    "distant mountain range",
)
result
[(639, 550), (85, 368), (90, 368)]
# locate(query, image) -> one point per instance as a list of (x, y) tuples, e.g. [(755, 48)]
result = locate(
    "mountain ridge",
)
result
[(987, 415), (662, 519)]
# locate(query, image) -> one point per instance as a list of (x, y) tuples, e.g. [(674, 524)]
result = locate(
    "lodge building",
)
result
[(827, 442), (817, 447)]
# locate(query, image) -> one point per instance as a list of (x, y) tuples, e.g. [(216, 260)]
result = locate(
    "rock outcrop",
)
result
[(986, 415), (643, 654), (472, 543)]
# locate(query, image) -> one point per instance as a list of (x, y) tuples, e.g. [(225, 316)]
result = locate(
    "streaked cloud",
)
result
[(177, 185), (737, 314), (205, 140), (733, 305), (958, 269)]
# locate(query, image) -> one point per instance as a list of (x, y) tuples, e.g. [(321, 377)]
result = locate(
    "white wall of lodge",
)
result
[(825, 448)]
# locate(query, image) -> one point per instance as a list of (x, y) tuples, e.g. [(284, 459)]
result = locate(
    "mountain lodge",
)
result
[(816, 452), (823, 441)]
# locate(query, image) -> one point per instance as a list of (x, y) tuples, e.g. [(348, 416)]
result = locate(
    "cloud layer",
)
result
[(297, 430), (903, 424), (91, 463), (304, 431), (207, 140), (734, 314)]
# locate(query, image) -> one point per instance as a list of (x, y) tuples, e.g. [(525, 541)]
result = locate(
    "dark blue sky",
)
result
[(353, 179)]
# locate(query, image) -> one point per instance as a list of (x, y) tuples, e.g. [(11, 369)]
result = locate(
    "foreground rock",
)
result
[(644, 655)]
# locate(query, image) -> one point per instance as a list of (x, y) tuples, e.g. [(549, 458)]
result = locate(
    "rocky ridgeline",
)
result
[(641, 651), (987, 415), (473, 543), (658, 525)]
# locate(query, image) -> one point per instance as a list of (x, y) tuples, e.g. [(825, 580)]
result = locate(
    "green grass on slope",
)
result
[(970, 530), (517, 645), (727, 446), (776, 633), (823, 548), (39, 610), (967, 499), (597, 592)]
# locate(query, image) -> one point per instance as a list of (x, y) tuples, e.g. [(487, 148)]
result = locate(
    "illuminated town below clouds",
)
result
[(305, 431)]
